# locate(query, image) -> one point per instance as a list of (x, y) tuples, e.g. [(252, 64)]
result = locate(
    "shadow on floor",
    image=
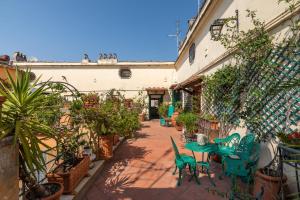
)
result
[(122, 188)]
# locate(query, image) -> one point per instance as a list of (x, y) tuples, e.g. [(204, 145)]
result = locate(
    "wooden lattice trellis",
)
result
[(275, 108)]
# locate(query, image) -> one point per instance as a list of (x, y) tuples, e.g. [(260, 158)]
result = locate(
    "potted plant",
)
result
[(163, 113), (139, 105), (189, 121), (128, 122), (270, 179), (19, 120), (90, 100), (178, 110), (71, 165), (288, 142), (101, 121), (210, 121)]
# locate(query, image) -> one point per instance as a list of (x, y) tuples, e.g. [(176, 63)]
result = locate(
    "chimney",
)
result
[(85, 59), (110, 58)]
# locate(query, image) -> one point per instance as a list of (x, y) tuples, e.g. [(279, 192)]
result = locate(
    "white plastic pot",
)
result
[(201, 139)]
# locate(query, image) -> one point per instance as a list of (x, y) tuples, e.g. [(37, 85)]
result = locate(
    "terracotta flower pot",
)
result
[(174, 117), (2, 99), (214, 124), (270, 184), (178, 127), (213, 135), (116, 139), (72, 178), (105, 151), (55, 196), (142, 117), (217, 158)]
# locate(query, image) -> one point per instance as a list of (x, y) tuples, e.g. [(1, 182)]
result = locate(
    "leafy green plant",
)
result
[(219, 91), (178, 106), (68, 149), (91, 98), (163, 110), (52, 106), (128, 122), (139, 102), (103, 118), (208, 116), (19, 119), (189, 120)]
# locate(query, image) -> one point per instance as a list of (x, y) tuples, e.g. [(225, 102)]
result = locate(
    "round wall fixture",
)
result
[(125, 73), (192, 53)]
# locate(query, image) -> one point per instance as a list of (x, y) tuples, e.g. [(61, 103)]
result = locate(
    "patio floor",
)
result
[(142, 169)]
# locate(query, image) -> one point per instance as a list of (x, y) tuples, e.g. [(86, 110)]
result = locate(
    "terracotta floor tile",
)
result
[(142, 168)]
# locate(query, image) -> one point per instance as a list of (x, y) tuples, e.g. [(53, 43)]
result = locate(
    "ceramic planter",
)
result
[(270, 184), (105, 151), (56, 195), (71, 178)]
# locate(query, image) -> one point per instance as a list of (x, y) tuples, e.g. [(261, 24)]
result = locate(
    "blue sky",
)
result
[(63, 30)]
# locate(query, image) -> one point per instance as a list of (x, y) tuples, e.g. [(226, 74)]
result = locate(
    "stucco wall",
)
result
[(101, 78), (208, 50)]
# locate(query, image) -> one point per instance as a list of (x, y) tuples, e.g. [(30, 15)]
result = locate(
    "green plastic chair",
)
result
[(244, 162), (182, 161), (170, 111)]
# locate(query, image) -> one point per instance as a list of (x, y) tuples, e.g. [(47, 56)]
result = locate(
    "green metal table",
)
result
[(208, 148)]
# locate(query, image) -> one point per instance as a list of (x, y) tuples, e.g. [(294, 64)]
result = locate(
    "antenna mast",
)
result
[(177, 34)]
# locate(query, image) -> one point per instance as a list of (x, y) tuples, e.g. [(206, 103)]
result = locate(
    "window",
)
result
[(125, 73), (192, 53)]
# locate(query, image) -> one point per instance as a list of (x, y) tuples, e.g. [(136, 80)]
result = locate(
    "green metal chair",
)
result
[(227, 146), (182, 161), (244, 162)]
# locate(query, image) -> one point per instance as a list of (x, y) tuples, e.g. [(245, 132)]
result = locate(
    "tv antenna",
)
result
[(177, 34), (199, 2)]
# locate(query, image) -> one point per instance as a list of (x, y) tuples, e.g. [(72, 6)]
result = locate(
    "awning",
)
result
[(173, 86), (156, 90), (191, 84)]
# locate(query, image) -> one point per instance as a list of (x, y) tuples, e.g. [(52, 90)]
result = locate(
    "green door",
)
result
[(154, 101)]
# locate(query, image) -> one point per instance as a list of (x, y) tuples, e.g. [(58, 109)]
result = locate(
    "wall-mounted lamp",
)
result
[(216, 28)]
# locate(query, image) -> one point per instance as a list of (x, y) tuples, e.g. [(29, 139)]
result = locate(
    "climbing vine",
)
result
[(243, 87)]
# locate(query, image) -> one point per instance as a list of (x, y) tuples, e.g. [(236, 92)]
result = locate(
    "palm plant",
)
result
[(19, 119)]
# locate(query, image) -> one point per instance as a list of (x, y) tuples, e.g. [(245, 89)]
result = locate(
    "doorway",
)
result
[(154, 101)]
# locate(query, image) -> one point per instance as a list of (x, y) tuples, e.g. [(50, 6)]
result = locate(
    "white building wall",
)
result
[(99, 78), (208, 50)]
